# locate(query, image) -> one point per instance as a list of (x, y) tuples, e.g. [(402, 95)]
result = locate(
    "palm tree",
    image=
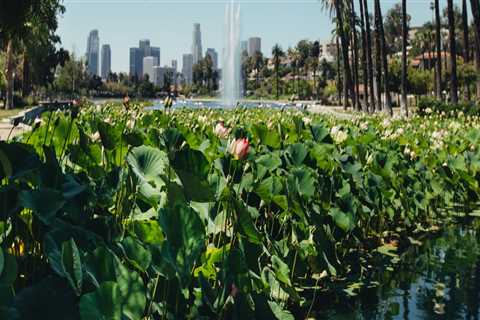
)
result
[(339, 91), (369, 55), (277, 55), (293, 56), (381, 35), (315, 54), (476, 19), (13, 16), (378, 62), (404, 106), (257, 62), (337, 6), (453, 53), (364, 60), (353, 30), (466, 44), (438, 46)]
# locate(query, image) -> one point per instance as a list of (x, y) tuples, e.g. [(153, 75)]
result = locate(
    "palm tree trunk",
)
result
[(26, 75), (364, 61), (338, 72), (378, 70), (403, 103), (453, 53), (466, 45), (438, 46), (388, 99), (346, 63), (9, 75), (476, 18), (276, 78), (369, 56), (356, 78)]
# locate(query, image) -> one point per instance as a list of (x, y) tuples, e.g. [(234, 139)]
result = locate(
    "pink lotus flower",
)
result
[(239, 148), (221, 131)]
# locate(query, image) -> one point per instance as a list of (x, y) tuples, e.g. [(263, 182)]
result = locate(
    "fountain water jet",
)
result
[(231, 69)]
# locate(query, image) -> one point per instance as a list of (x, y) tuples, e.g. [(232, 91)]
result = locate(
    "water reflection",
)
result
[(438, 280)]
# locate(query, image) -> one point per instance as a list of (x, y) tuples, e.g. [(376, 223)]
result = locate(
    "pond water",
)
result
[(440, 279), (214, 104)]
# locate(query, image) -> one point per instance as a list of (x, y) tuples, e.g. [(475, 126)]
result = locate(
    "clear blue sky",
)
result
[(169, 23)]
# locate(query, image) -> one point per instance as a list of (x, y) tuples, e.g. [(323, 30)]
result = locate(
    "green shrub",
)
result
[(430, 105)]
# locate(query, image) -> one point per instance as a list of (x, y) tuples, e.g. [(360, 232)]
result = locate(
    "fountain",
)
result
[(231, 69)]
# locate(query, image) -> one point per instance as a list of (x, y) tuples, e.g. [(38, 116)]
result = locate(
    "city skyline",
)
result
[(286, 24)]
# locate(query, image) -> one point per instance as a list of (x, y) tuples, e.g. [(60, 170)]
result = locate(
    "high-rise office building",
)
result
[(144, 46), (93, 50), (148, 64), (138, 54), (214, 55), (254, 45), (155, 52), (243, 46), (106, 61), (197, 43), (187, 68), (136, 62), (161, 75), (175, 65)]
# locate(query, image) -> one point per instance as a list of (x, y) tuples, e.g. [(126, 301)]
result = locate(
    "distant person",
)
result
[(126, 102)]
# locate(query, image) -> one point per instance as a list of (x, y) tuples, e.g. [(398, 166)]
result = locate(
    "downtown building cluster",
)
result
[(93, 56), (145, 60)]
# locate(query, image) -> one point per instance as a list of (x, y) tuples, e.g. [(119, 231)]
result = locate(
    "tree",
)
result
[(404, 106), (393, 26), (338, 7), (277, 55), (380, 34), (353, 30), (453, 53), (258, 63), (370, 66), (21, 20), (364, 60), (146, 88), (245, 71), (474, 4), (466, 45), (71, 77), (438, 46)]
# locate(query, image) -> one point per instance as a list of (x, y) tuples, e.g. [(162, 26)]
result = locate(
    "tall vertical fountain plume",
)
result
[(231, 68)]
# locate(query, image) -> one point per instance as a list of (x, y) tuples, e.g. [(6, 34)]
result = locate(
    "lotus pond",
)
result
[(113, 213)]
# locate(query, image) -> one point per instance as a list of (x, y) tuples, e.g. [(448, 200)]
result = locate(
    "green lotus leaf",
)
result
[(104, 303)]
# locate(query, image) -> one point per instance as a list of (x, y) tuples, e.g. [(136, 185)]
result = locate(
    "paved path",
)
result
[(334, 111), (6, 128)]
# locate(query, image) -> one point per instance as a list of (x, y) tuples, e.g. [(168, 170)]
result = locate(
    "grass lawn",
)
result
[(8, 113)]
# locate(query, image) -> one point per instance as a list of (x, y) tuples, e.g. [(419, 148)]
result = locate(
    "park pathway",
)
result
[(334, 111), (6, 129)]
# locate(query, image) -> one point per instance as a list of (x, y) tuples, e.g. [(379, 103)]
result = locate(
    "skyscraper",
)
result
[(144, 46), (254, 45), (243, 46), (138, 54), (148, 64), (187, 68), (155, 52), (136, 62), (92, 55), (214, 55), (106, 61), (175, 65), (197, 43)]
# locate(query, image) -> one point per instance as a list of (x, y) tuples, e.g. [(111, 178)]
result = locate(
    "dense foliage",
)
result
[(428, 106), (114, 214)]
